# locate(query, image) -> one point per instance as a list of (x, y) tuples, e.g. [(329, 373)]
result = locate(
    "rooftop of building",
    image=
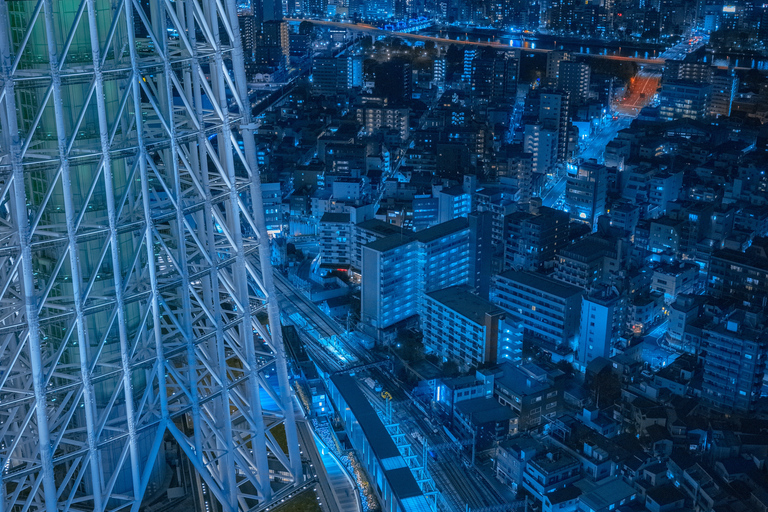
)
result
[(604, 493), (521, 380), (390, 242), (465, 381), (404, 236), (334, 218), (440, 230), (553, 461), (542, 283), (523, 442), (675, 269), (379, 227), (567, 493), (665, 494), (484, 410), (456, 190), (461, 300)]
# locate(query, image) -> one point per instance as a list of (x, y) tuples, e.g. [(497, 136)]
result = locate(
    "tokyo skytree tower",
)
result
[(137, 304)]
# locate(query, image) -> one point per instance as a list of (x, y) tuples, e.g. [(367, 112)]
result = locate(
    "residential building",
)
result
[(529, 390), (574, 77), (740, 275), (682, 312), (734, 353), (512, 456), (398, 269), (494, 77), (549, 471), (725, 85), (542, 143), (603, 322), (484, 421), (674, 279), (461, 327), (549, 310), (510, 341), (554, 59), (454, 202), (335, 239), (531, 241), (375, 115), (605, 495), (554, 113), (332, 75), (591, 260)]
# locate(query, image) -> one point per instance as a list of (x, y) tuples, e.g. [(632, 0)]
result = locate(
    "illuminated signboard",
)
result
[(729, 8)]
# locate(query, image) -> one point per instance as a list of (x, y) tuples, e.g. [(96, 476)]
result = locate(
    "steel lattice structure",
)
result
[(135, 273)]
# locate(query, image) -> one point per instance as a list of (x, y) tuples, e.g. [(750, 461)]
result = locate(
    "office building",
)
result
[(125, 282), (461, 327), (574, 77), (603, 322), (549, 310), (586, 191), (682, 99)]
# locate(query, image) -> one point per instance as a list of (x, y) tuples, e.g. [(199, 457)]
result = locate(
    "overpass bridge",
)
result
[(376, 31)]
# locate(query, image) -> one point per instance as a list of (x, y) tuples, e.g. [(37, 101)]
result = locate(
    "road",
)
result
[(642, 90), (370, 29), (594, 149)]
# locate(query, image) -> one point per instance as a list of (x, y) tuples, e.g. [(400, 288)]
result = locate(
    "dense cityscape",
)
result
[(383, 255)]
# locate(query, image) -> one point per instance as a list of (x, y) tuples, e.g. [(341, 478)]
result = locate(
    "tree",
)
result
[(305, 28), (450, 369)]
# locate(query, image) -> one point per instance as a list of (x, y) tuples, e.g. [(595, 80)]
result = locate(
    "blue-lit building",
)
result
[(398, 269), (461, 327), (388, 472), (586, 191), (549, 310), (603, 322), (683, 99)]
